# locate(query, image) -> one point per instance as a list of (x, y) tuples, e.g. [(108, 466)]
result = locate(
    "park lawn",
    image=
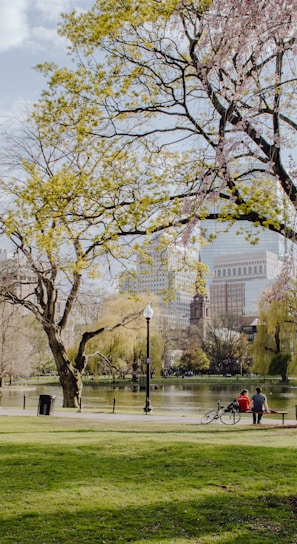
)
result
[(67, 480)]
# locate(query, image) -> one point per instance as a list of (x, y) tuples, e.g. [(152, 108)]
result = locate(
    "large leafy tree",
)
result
[(194, 360), (74, 204), (215, 80), (227, 349)]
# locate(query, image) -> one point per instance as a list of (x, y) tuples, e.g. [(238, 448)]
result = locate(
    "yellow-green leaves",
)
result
[(108, 18)]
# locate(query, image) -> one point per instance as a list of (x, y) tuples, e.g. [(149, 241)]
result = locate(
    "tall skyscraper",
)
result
[(168, 270), (237, 239)]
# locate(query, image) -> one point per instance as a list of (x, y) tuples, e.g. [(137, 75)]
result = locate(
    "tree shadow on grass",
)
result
[(185, 521), (111, 493)]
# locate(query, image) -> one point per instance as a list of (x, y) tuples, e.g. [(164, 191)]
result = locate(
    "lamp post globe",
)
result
[(148, 314)]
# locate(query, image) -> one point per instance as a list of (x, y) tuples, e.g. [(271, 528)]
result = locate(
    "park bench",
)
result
[(273, 412)]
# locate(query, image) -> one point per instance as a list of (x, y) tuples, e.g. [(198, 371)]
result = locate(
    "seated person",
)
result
[(244, 401), (258, 405)]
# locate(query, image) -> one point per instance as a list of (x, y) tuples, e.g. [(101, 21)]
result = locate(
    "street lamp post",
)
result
[(148, 314)]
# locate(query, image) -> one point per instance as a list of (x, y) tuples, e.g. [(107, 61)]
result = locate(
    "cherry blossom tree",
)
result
[(212, 81)]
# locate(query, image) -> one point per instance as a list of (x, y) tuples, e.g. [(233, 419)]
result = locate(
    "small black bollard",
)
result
[(24, 402), (114, 403)]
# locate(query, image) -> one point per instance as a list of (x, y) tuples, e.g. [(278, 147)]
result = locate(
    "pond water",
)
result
[(180, 398)]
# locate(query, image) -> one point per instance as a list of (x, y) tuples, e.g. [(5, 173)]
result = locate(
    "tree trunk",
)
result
[(70, 376), (71, 383)]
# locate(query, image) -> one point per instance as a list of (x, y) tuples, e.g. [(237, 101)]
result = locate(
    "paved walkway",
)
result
[(145, 418)]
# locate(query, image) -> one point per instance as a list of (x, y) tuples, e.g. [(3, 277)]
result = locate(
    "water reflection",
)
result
[(180, 398)]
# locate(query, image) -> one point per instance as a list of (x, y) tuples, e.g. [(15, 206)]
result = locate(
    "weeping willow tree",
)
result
[(274, 348), (120, 351)]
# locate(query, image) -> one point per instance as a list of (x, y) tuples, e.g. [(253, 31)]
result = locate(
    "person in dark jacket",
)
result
[(259, 404)]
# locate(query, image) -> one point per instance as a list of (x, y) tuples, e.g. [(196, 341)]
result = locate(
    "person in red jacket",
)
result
[(244, 401)]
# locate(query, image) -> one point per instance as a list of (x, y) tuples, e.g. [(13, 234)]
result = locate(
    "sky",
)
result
[(28, 36)]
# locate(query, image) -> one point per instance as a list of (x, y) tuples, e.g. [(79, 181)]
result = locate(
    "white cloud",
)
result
[(27, 23), (50, 10), (13, 23), (41, 37), (28, 36)]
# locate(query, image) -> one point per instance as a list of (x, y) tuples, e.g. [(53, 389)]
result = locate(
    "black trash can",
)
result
[(46, 405)]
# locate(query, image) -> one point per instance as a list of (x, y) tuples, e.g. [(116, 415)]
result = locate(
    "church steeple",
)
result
[(200, 305), (200, 283), (199, 308)]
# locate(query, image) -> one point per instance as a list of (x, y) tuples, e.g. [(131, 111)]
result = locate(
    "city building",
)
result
[(236, 239), (200, 316), (239, 280), (16, 275), (248, 326), (167, 270)]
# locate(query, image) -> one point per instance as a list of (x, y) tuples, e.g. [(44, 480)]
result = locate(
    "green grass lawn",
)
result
[(83, 481)]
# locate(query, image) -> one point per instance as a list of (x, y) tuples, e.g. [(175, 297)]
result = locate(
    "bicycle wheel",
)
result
[(229, 417), (209, 417)]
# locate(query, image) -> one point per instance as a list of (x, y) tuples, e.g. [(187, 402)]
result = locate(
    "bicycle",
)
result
[(229, 414)]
